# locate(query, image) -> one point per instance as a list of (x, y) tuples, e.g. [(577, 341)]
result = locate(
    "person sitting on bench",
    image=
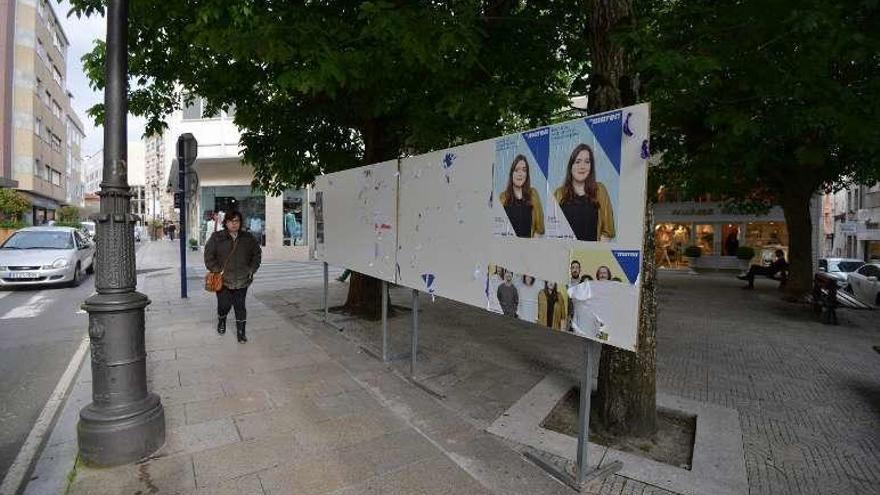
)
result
[(779, 266)]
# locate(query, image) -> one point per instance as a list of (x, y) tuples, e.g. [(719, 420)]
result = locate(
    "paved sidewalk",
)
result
[(303, 409)]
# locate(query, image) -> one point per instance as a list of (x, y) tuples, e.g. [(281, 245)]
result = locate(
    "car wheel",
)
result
[(77, 276), (91, 269)]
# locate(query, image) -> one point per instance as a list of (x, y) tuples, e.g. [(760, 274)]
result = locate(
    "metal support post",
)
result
[(415, 333), (385, 343), (326, 291), (124, 422), (591, 354), (181, 187)]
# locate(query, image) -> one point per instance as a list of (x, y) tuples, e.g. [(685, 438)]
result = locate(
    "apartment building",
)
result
[(39, 132), (220, 182), (159, 200), (75, 172), (854, 231)]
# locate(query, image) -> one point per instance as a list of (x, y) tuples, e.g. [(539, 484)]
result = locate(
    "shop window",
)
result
[(705, 239), (215, 202), (730, 239), (766, 237), (292, 218), (671, 240)]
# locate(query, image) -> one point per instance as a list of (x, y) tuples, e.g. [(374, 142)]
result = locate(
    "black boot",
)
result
[(239, 330), (221, 325)]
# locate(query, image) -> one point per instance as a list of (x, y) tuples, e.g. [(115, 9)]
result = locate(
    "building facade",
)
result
[(75, 171), (219, 182), (719, 231), (854, 227), (159, 200), (35, 108)]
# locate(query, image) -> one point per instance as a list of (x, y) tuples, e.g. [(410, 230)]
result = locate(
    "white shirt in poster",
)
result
[(585, 321), (528, 301), (494, 282)]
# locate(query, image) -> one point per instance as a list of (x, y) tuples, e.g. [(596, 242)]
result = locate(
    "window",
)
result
[(57, 76), (56, 142), (38, 127), (38, 168), (41, 8), (193, 110), (47, 98), (870, 271), (56, 109), (56, 177), (47, 173)]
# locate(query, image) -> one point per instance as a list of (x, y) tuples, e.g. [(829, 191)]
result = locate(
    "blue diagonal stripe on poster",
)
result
[(608, 129), (539, 144), (630, 262)]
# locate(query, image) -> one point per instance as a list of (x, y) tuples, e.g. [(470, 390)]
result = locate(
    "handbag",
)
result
[(214, 280)]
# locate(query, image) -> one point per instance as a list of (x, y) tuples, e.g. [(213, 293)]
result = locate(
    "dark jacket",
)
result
[(242, 265)]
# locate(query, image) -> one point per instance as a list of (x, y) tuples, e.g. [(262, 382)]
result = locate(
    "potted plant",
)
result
[(193, 244), (745, 254), (13, 205), (155, 229)]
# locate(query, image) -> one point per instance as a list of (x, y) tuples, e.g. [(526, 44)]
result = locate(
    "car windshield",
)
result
[(39, 240), (846, 266)]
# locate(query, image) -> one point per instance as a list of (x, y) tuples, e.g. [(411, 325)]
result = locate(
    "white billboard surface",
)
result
[(360, 219)]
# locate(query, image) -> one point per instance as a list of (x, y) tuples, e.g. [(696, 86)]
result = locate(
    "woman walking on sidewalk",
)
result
[(236, 254)]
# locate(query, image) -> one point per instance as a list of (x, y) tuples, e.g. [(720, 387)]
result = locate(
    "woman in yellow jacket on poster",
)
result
[(585, 202), (521, 201), (552, 307)]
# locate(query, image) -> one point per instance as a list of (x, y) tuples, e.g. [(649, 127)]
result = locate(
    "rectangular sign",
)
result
[(502, 224)]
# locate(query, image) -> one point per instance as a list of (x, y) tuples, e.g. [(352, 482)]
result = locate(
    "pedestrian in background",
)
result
[(236, 254)]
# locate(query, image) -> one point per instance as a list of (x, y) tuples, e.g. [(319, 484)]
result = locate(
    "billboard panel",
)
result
[(358, 209), (499, 224)]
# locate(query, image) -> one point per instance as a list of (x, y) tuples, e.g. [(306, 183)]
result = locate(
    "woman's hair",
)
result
[(584, 278), (524, 277), (590, 187), (600, 270), (230, 215), (527, 185)]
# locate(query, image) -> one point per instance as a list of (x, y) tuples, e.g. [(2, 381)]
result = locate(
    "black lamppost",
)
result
[(124, 422)]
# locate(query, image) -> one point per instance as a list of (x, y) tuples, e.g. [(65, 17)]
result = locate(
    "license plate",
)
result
[(22, 275)]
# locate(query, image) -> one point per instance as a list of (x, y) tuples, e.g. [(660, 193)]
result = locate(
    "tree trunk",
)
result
[(365, 292), (627, 395), (796, 208)]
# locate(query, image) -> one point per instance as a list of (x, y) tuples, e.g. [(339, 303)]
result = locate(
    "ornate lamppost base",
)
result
[(125, 422), (122, 436)]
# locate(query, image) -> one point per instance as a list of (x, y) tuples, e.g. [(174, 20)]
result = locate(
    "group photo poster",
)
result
[(603, 295), (527, 298)]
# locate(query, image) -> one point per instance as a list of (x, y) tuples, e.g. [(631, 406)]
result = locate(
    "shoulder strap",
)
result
[(234, 244)]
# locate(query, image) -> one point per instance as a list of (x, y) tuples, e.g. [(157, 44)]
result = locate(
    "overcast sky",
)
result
[(81, 33)]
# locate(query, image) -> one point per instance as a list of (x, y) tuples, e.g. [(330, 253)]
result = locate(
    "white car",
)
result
[(46, 255), (840, 268), (865, 284)]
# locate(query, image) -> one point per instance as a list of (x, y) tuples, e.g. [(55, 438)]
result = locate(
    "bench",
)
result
[(824, 297), (782, 277)]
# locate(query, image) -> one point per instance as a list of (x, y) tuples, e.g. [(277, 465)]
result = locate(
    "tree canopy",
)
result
[(763, 101), (322, 86), (763, 98)]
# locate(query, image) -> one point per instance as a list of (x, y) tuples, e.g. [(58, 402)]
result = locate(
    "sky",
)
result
[(81, 33)]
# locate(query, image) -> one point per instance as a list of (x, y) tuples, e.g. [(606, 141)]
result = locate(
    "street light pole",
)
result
[(124, 422)]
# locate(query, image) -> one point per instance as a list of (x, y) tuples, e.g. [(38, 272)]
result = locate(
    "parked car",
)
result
[(46, 255), (865, 284), (840, 268)]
